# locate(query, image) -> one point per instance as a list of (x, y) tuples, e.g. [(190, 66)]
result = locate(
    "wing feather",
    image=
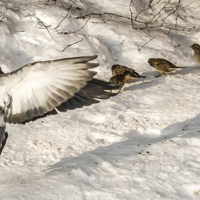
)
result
[(39, 87)]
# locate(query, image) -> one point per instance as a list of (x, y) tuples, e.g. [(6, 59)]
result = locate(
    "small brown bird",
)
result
[(119, 70), (121, 79), (196, 49), (162, 65)]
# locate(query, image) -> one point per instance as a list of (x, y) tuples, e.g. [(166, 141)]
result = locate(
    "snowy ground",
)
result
[(142, 144)]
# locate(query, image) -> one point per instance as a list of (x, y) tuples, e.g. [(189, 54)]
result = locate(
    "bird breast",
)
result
[(197, 56)]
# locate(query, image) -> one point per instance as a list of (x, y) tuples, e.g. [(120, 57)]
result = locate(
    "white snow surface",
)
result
[(142, 144)]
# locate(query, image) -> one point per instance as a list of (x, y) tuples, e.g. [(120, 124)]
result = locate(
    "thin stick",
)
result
[(123, 41), (76, 30), (100, 14), (146, 43), (72, 44), (40, 21), (73, 2), (141, 24), (131, 13), (64, 17), (83, 3), (160, 11)]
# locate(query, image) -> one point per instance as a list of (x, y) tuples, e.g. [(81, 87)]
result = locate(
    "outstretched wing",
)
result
[(95, 89), (39, 87), (88, 95)]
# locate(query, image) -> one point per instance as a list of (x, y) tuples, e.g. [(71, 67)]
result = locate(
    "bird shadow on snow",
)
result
[(101, 156), (186, 129), (142, 84), (107, 157), (152, 80), (187, 70)]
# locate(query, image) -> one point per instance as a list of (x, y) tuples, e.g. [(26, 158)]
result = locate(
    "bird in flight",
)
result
[(41, 87)]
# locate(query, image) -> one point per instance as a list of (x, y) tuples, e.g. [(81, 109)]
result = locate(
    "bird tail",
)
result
[(142, 76), (181, 67)]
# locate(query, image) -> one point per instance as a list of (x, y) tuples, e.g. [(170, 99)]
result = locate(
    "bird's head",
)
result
[(114, 66), (195, 47), (151, 61)]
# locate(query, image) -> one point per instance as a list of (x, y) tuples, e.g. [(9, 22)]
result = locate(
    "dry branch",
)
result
[(64, 17), (42, 24), (139, 48), (158, 19), (83, 3), (73, 44), (65, 32)]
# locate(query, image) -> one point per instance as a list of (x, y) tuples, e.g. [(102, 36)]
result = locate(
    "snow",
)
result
[(142, 144)]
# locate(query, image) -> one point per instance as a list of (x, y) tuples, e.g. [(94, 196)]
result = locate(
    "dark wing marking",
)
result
[(39, 87)]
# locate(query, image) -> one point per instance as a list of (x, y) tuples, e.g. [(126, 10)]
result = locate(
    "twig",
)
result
[(131, 13), (140, 13), (140, 23), (72, 44), (146, 43), (156, 3), (123, 41), (156, 20), (76, 30), (64, 17), (73, 2), (45, 26), (83, 4), (186, 5), (100, 14), (160, 11), (169, 31)]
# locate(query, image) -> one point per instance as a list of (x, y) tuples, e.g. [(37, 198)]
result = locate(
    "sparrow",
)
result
[(196, 49), (42, 87), (121, 79), (162, 65), (119, 69)]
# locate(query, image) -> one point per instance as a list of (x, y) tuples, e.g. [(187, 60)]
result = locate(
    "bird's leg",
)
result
[(165, 74), (161, 74)]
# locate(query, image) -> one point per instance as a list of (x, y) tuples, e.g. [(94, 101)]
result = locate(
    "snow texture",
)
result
[(143, 143)]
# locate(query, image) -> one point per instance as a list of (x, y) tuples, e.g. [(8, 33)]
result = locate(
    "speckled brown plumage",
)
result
[(120, 69), (162, 65), (121, 79), (196, 49)]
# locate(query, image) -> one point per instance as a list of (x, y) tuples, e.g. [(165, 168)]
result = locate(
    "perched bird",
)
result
[(41, 87), (119, 70), (162, 65), (121, 79), (196, 49)]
